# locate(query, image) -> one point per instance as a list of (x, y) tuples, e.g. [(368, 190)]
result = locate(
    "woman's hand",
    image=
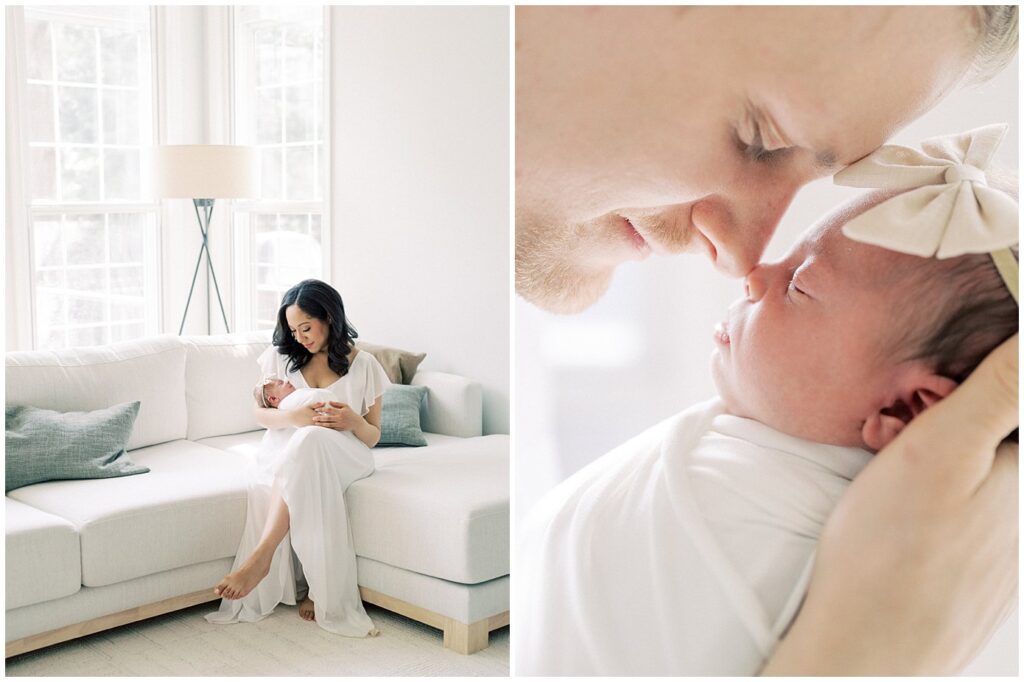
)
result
[(303, 416), (341, 417), (337, 416), (917, 566)]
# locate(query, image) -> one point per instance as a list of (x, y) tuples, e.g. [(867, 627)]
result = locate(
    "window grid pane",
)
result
[(279, 109), (90, 277), (100, 94), (286, 250), (89, 106)]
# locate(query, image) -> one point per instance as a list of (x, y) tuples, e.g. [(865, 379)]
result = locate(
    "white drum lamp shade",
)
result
[(205, 171)]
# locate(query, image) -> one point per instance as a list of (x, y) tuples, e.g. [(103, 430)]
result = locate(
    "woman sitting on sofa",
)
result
[(308, 457)]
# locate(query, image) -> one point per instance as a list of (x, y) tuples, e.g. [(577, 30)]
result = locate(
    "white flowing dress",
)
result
[(312, 466)]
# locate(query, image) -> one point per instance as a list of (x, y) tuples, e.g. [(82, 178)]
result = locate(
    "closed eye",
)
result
[(755, 151), (794, 290), (758, 154)]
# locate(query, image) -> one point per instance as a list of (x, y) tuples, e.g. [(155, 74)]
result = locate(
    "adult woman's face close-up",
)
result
[(311, 332), (690, 129)]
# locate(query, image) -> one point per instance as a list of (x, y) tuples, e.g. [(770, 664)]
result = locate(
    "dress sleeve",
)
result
[(376, 381)]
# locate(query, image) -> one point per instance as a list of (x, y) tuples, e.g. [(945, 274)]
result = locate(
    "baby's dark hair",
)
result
[(974, 313), (964, 310)]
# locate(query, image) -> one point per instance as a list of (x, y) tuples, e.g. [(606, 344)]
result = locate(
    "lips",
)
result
[(631, 236), (721, 334)]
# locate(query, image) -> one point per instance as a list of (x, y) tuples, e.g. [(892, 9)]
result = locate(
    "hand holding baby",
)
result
[(337, 416), (305, 415), (940, 492)]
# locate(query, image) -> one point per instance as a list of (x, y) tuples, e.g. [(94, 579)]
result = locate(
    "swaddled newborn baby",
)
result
[(688, 549), (280, 394)]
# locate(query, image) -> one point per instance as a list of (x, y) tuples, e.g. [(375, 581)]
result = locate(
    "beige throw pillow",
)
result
[(399, 365)]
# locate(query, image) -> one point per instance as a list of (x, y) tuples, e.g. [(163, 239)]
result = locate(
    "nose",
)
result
[(740, 224), (756, 283)]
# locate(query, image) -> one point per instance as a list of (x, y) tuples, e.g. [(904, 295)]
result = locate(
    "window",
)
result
[(279, 104), (87, 113)]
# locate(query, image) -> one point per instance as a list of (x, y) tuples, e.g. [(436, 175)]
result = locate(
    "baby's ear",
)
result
[(922, 390)]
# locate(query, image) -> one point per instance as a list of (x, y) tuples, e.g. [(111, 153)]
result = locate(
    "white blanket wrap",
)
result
[(685, 551)]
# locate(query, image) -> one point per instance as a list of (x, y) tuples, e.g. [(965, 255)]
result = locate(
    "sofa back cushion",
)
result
[(221, 372), (454, 405), (150, 370)]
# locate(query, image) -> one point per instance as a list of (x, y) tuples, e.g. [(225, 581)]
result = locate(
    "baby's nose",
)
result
[(755, 284)]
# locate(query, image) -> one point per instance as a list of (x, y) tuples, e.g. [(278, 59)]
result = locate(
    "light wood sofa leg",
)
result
[(466, 639)]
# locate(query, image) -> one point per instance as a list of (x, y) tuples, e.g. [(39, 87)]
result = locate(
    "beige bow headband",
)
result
[(949, 209)]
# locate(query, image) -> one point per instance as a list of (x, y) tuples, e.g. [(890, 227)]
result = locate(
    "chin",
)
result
[(562, 289), (718, 377)]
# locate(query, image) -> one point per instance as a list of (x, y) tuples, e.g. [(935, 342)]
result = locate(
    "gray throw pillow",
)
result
[(400, 415), (45, 445)]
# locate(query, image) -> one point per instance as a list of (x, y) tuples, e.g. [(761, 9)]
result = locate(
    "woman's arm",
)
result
[(270, 418), (343, 418), (917, 566)]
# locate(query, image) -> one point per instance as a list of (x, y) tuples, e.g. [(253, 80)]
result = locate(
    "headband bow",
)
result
[(949, 209)]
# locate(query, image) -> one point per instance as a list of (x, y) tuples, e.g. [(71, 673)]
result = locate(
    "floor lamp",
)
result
[(204, 173)]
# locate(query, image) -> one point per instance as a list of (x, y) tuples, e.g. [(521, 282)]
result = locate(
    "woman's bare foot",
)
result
[(240, 583), (306, 610)]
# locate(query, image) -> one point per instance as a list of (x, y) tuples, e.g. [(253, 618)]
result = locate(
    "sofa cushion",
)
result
[(221, 372), (441, 510), (46, 445), (400, 415), (188, 509), (454, 404), (151, 371), (43, 556)]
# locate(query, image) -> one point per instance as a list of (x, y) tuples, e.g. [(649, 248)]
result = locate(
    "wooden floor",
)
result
[(463, 638), (184, 643)]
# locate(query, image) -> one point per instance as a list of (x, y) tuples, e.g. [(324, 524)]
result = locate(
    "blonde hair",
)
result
[(995, 44)]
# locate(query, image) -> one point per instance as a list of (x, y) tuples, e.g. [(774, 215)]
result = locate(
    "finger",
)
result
[(337, 404), (955, 441)]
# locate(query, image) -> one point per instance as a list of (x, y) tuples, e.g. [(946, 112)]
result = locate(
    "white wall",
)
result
[(419, 191)]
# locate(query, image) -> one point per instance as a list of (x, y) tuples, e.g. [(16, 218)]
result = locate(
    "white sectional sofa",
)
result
[(431, 526)]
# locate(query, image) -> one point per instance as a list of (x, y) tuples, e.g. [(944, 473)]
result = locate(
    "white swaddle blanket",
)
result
[(685, 551), (276, 440)]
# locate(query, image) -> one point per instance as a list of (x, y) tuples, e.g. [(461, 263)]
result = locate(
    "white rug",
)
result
[(183, 643)]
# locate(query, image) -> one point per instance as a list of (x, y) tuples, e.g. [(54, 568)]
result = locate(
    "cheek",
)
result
[(776, 368)]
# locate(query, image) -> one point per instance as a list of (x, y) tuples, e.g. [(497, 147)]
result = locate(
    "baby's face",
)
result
[(277, 390), (804, 350)]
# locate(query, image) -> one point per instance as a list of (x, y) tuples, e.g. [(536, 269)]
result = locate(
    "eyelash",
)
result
[(754, 151), (793, 287)]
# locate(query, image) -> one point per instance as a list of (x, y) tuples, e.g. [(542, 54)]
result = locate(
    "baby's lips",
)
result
[(721, 333)]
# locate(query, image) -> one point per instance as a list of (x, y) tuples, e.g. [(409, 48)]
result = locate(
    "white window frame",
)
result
[(22, 226), (243, 81)]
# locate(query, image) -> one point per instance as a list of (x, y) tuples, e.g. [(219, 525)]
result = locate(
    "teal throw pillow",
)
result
[(400, 415), (45, 445)]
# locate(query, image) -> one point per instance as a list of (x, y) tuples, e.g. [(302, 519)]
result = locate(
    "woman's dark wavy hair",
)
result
[(320, 300)]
